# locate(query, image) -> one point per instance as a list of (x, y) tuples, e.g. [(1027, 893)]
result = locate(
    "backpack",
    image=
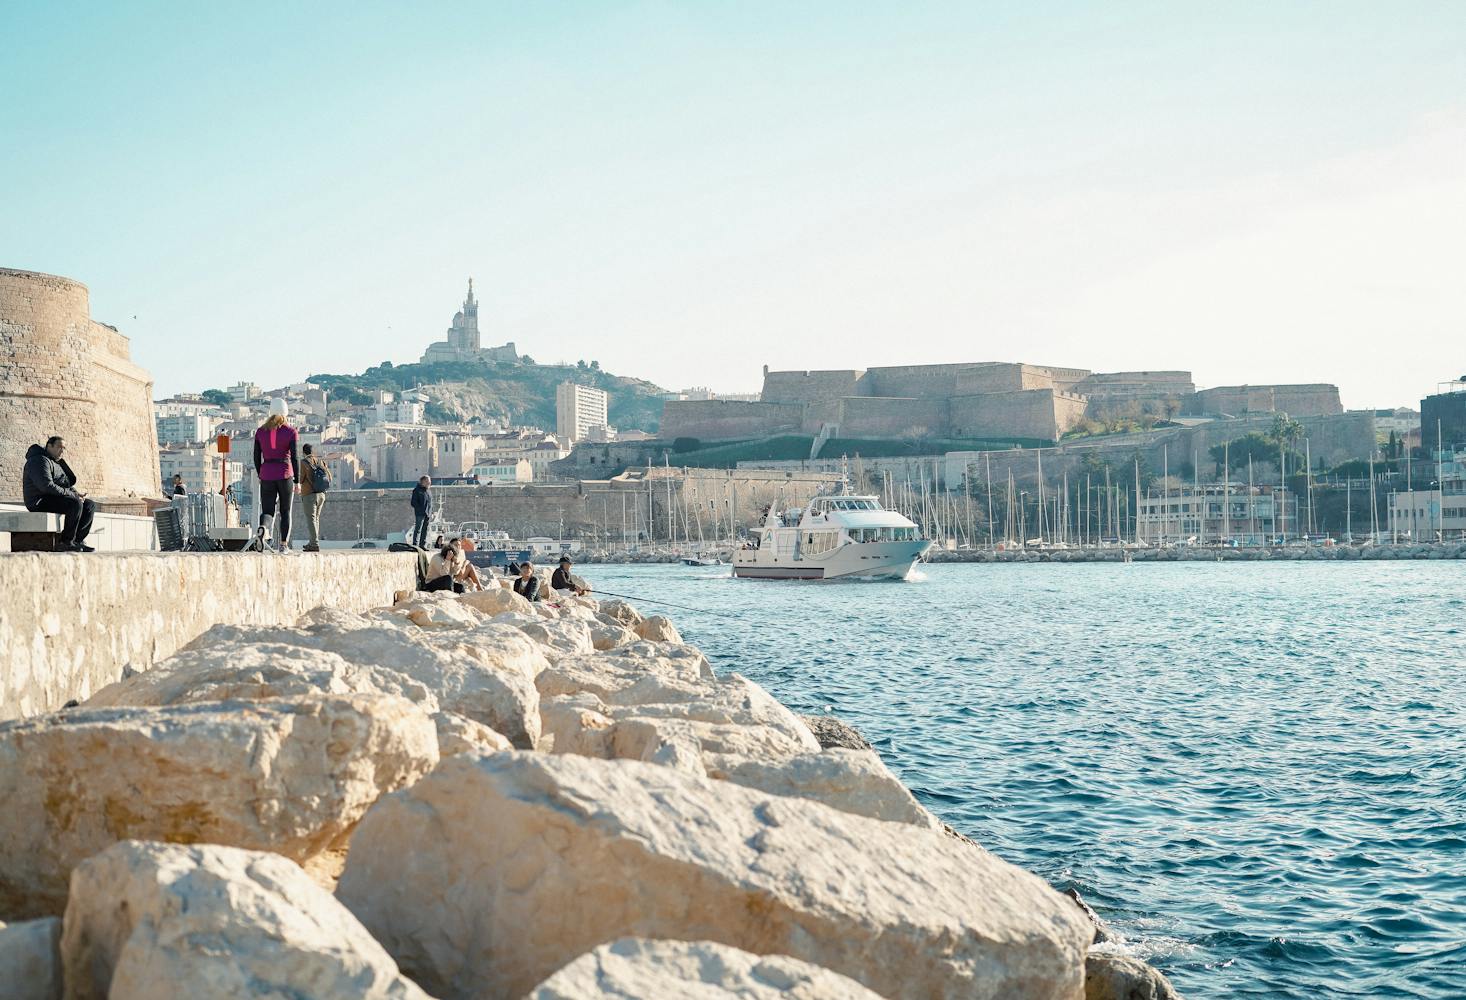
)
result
[(320, 477)]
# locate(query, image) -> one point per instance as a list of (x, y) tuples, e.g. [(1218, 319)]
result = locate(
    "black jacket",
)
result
[(422, 500), (563, 579), (528, 589), (45, 476)]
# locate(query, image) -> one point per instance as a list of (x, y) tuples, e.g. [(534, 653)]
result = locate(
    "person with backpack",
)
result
[(278, 466), (313, 487)]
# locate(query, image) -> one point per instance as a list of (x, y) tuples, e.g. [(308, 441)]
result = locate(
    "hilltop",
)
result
[(517, 393)]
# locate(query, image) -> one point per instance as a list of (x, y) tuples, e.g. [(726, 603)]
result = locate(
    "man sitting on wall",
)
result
[(49, 485)]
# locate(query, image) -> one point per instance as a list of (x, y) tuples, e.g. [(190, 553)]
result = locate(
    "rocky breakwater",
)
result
[(477, 797)]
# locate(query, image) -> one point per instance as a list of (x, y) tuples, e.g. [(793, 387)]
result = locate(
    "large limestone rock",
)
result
[(657, 628), (650, 713), (252, 673), (608, 635), (458, 735), (1118, 977), (698, 970), (496, 600), (484, 673), (285, 776), (835, 733), (150, 921), (561, 637), (853, 781), (621, 611), (30, 960), (494, 871)]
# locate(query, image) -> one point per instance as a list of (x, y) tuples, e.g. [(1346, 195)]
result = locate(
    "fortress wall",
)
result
[(918, 381), (718, 419), (1315, 399), (808, 386), (587, 510), (886, 417), (1028, 413), (62, 373), (1049, 377)]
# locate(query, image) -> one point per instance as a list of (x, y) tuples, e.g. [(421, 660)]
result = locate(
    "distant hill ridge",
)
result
[(520, 393)]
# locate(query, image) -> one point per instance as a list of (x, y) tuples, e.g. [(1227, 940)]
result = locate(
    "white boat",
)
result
[(832, 537)]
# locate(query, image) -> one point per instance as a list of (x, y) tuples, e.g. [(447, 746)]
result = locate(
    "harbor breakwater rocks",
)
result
[(479, 797)]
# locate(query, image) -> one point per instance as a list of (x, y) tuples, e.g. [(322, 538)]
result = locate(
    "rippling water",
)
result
[(1255, 772)]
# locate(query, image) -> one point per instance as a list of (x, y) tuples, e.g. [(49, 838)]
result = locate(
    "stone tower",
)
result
[(63, 373), (463, 334)]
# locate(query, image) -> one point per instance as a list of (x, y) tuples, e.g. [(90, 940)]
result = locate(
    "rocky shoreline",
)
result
[(475, 797)]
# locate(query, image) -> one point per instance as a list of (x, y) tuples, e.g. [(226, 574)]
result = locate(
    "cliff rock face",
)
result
[(150, 921), (285, 776), (635, 967), (491, 873)]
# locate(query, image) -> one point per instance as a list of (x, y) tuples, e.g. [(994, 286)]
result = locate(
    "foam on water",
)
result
[(1254, 772)]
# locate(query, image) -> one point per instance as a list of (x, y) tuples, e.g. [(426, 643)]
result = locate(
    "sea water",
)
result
[(1254, 772)]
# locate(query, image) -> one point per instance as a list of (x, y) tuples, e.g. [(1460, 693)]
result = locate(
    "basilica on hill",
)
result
[(463, 339)]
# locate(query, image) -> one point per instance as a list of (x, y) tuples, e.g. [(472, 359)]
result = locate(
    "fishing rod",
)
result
[(651, 600)]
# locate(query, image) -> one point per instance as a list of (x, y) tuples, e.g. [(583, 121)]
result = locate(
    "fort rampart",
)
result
[(63, 373)]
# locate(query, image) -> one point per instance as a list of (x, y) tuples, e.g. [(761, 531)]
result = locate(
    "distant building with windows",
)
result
[(1247, 515), (463, 341), (579, 409)]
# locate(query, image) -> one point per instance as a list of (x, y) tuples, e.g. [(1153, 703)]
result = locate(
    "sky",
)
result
[(1252, 191)]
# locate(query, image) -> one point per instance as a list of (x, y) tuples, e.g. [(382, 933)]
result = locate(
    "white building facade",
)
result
[(578, 408)]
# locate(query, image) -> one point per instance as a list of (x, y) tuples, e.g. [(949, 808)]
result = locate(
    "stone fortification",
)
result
[(109, 611), (588, 509), (1310, 400), (63, 373), (977, 399)]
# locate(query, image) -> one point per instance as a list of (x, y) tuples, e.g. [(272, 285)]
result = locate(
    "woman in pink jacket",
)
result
[(278, 466)]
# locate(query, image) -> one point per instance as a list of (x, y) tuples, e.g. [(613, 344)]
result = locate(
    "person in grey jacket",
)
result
[(49, 485)]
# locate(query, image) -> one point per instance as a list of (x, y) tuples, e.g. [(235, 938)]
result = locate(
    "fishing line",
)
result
[(651, 600)]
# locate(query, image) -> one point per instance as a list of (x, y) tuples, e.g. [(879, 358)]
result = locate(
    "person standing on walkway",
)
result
[(422, 511), (277, 463), (48, 484), (314, 482), (179, 489)]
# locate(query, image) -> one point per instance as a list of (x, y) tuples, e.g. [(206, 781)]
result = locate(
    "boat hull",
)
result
[(870, 560)]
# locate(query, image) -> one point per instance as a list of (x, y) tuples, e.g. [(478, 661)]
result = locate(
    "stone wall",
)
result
[(1029, 413), (887, 417), (807, 386), (101, 612), (727, 419), (62, 373), (588, 510), (1314, 399)]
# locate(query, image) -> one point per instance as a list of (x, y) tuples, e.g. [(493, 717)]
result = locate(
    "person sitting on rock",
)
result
[(528, 585), (49, 485), (468, 573), (563, 579), (444, 571)]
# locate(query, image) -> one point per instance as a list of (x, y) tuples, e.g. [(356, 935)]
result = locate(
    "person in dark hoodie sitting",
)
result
[(49, 485)]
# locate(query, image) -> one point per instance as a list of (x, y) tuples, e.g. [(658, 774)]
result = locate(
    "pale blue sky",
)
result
[(1252, 191)]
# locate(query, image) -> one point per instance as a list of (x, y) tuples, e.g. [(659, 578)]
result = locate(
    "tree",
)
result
[(595, 366), (1285, 430), (218, 397), (1254, 446)]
